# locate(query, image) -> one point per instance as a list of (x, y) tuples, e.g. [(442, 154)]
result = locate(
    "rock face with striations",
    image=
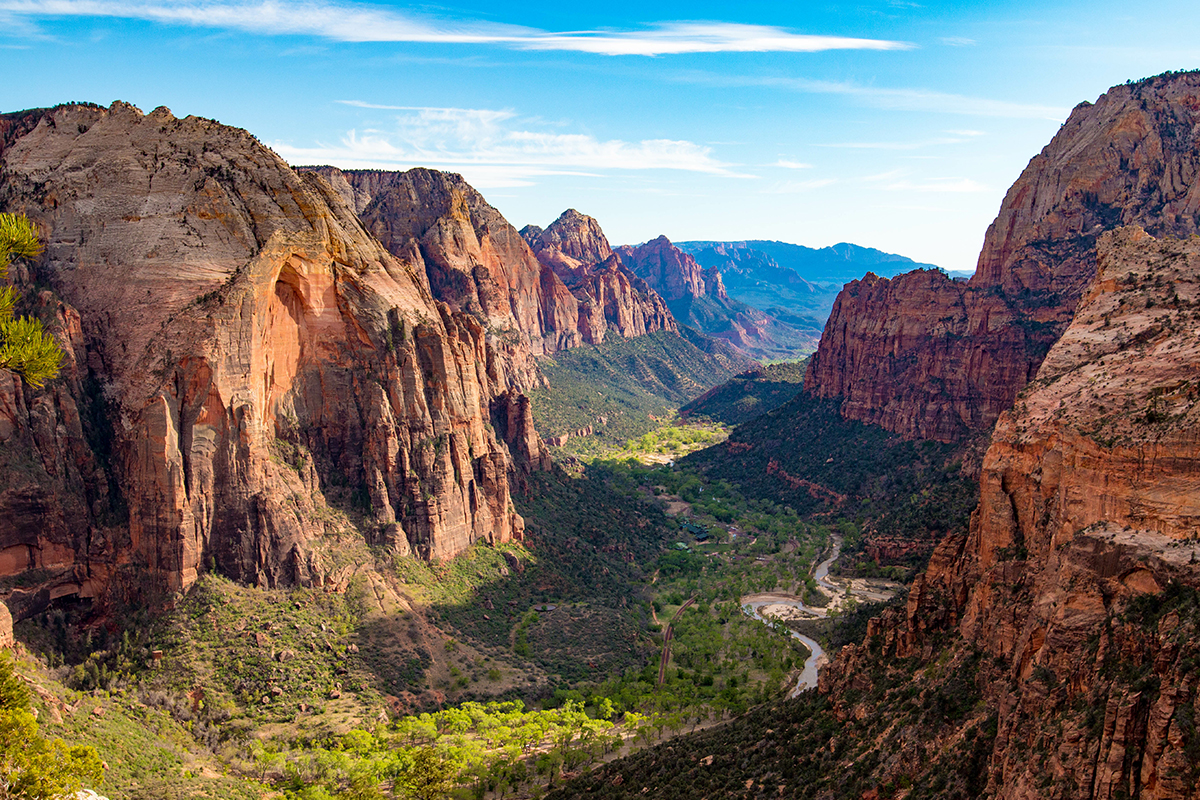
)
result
[(478, 263), (673, 273), (1078, 579), (929, 357), (697, 298), (611, 298), (573, 237), (240, 351)]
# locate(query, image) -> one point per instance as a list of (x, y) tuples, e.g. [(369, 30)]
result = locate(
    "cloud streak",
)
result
[(359, 22), (494, 149), (900, 99), (946, 185)]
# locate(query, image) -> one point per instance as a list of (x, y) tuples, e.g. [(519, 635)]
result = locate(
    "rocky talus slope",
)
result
[(245, 363), (1075, 598), (929, 357)]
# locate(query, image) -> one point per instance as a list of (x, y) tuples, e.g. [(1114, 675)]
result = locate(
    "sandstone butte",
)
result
[(254, 350), (929, 357), (611, 297), (1089, 498), (697, 297), (478, 263)]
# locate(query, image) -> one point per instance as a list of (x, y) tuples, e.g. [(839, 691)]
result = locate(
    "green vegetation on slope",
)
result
[(904, 493), (624, 387), (31, 766), (748, 395), (312, 690), (805, 748)]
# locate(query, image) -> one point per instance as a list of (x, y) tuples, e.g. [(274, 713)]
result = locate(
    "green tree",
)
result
[(25, 348), (31, 766), (428, 777)]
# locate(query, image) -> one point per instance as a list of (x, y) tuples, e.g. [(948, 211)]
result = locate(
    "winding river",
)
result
[(751, 605)]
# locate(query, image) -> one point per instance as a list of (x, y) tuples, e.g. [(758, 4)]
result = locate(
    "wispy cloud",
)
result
[(938, 142), (957, 41), (903, 99), (949, 185), (494, 148), (786, 164), (360, 22), (793, 187)]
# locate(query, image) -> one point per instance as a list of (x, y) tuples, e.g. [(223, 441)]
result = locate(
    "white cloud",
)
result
[(957, 41), (703, 37), (490, 146), (786, 164), (890, 175), (902, 99), (360, 22)]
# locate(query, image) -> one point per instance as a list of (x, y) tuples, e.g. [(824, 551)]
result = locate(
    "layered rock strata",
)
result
[(242, 354), (478, 263), (697, 298), (930, 357), (610, 296), (1079, 575)]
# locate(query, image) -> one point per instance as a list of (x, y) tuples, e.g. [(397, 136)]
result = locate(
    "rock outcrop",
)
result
[(697, 298), (478, 263), (611, 298), (575, 236), (1078, 580), (673, 273), (242, 355), (939, 359)]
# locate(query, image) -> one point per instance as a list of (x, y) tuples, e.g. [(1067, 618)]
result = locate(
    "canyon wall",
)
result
[(610, 297), (1075, 591), (697, 298), (250, 373), (934, 358), (478, 263)]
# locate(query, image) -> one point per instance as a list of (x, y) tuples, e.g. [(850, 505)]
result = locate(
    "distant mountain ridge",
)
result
[(574, 249), (836, 264), (793, 283)]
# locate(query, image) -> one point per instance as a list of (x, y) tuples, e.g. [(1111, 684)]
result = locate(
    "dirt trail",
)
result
[(666, 651)]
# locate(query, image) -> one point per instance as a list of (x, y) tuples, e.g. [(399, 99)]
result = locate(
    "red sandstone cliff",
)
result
[(611, 298), (929, 357), (697, 298), (574, 235), (673, 273), (241, 353), (1074, 580), (478, 263)]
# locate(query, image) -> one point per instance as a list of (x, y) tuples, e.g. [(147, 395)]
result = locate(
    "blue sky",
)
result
[(896, 125)]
